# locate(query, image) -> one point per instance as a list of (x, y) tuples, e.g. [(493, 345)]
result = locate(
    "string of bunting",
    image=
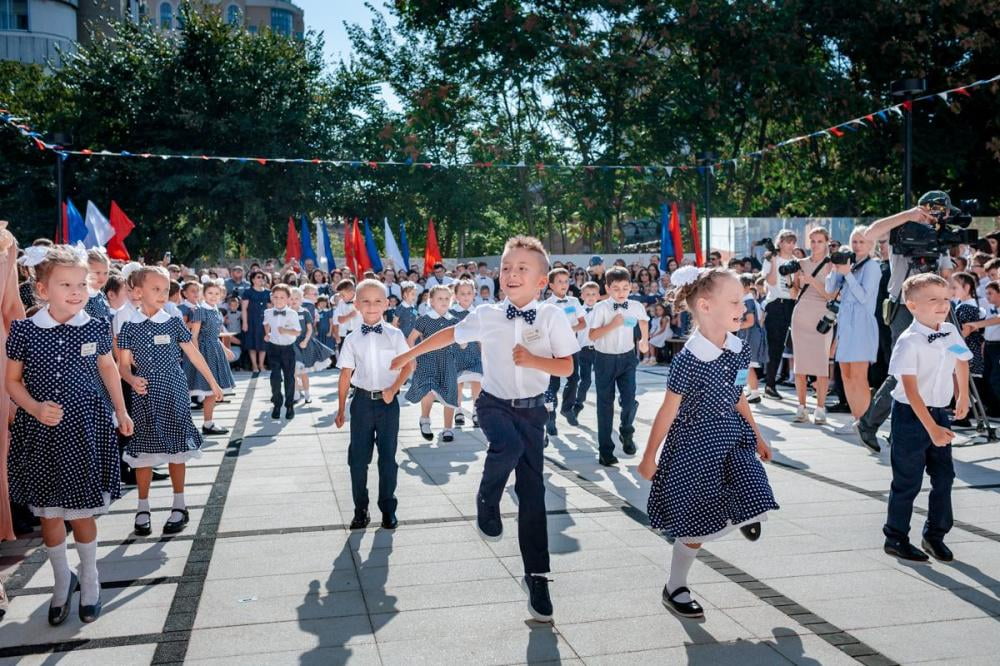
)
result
[(836, 131)]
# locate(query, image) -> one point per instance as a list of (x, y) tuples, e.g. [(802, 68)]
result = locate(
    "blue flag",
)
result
[(404, 245), (305, 239), (372, 249), (324, 237), (666, 242), (77, 227)]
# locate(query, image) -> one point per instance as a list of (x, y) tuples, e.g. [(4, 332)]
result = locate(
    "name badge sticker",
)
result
[(161, 339), (741, 377), (532, 335), (958, 350), (88, 349), (631, 322), (569, 309)]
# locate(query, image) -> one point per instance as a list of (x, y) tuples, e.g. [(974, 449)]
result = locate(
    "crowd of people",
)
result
[(117, 357)]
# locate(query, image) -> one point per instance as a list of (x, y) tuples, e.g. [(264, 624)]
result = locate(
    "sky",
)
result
[(328, 16)]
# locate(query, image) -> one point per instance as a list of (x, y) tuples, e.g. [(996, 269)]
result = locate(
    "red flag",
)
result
[(349, 258), (699, 256), (432, 255), (675, 233), (293, 249), (360, 252), (123, 227)]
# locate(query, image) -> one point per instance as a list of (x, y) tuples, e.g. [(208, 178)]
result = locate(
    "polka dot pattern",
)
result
[(436, 371), (211, 348)]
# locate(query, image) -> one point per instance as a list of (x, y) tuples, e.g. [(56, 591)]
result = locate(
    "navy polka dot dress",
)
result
[(316, 355), (436, 371), (709, 479), (211, 348), (98, 307), (407, 319), (966, 313), (164, 431), (468, 361), (71, 470)]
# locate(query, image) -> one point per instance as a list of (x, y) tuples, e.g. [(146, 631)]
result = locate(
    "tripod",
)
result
[(976, 403)]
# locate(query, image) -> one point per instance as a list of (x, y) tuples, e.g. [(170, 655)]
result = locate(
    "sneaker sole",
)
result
[(535, 615), (670, 607), (486, 537)]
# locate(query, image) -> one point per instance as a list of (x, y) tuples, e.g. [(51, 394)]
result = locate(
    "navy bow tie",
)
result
[(528, 315), (563, 300), (348, 302), (934, 336), (280, 312), (588, 309), (623, 306), (366, 329)]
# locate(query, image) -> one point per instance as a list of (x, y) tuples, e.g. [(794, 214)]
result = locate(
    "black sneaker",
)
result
[(751, 531), (289, 413), (361, 519), (869, 439), (771, 392), (488, 520), (276, 413), (607, 461), (904, 550), (628, 445), (683, 608), (539, 601), (570, 417), (937, 549)]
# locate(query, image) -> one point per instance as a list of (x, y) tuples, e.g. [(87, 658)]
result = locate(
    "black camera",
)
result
[(824, 325), (923, 244), (791, 268), (841, 257), (767, 244)]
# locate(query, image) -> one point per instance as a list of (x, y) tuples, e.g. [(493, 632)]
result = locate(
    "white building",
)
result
[(34, 31)]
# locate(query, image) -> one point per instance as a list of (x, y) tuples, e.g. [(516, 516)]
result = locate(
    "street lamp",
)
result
[(707, 158), (907, 88)]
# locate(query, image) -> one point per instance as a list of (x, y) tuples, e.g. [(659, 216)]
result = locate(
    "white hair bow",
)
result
[(129, 268), (33, 255), (80, 251), (684, 275)]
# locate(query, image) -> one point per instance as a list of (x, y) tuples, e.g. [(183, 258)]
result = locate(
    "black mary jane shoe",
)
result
[(90, 612), (214, 430), (389, 521), (361, 519), (160, 476), (691, 609), (143, 529), (460, 419), (175, 526), (937, 550), (58, 614), (751, 531)]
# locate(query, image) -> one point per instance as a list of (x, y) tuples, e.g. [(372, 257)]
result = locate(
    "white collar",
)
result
[(92, 292), (459, 308), (42, 319), (190, 304), (138, 317), (206, 306), (432, 313), (927, 330), (706, 351)]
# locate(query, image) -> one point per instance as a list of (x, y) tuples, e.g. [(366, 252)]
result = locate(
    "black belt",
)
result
[(992, 342), (520, 403), (372, 395)]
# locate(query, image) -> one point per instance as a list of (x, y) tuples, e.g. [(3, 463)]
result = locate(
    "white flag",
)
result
[(99, 230), (320, 239), (392, 250)]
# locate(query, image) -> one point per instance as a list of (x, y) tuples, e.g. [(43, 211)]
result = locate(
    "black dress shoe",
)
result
[(905, 550), (839, 408), (143, 528), (389, 521), (90, 612), (771, 392), (962, 423), (160, 476), (214, 430), (754, 400), (751, 531), (276, 413), (570, 417), (683, 608), (869, 439), (289, 413), (489, 522), (361, 519), (607, 461), (628, 446), (459, 419), (58, 614), (175, 526), (539, 601), (937, 548), (550, 425)]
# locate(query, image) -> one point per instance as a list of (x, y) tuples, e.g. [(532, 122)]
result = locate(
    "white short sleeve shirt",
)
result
[(622, 339), (345, 308), (991, 333), (933, 363), (371, 355), (549, 336), (284, 318)]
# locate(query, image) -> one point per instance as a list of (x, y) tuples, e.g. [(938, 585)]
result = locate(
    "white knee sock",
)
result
[(143, 505), (680, 564), (60, 572), (90, 586)]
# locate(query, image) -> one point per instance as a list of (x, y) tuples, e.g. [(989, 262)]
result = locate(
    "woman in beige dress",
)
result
[(810, 348)]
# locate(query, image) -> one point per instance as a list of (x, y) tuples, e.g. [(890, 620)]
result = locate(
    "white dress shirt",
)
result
[(432, 281), (992, 333), (549, 337), (621, 339), (933, 363), (583, 336), (289, 319), (485, 281), (780, 288), (345, 308), (371, 355), (570, 305)]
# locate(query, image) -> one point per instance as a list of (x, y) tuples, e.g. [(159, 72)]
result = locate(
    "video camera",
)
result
[(923, 244)]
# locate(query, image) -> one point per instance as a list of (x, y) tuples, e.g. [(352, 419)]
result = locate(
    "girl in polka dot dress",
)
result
[(708, 480), (436, 376), (468, 358), (98, 270), (206, 324), (310, 354), (63, 461), (150, 345)]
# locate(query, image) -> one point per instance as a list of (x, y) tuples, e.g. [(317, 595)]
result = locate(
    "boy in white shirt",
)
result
[(559, 286), (927, 357), (364, 363), (613, 332), (281, 328), (590, 292), (346, 318)]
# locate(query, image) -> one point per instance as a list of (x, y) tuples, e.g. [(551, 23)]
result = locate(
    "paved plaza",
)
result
[(267, 572)]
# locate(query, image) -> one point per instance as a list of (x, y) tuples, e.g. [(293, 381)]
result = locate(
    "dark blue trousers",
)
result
[(281, 360), (912, 452), (374, 424), (585, 359), (569, 391), (992, 377), (611, 371), (516, 438)]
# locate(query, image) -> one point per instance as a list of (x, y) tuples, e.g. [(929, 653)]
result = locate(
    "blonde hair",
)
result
[(528, 243), (785, 234), (819, 230), (438, 288), (917, 283), (370, 283), (55, 256), (98, 256), (702, 286), (464, 282), (138, 277)]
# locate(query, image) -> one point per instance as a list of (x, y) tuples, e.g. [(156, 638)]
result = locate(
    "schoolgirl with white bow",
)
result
[(436, 375), (468, 358)]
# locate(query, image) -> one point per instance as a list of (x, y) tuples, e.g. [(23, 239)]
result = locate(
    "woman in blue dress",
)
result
[(255, 300), (857, 328)]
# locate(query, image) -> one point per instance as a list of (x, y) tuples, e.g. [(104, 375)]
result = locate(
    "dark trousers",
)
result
[(878, 410), (991, 376), (912, 453), (281, 360), (611, 371), (585, 358), (516, 438), (374, 424), (777, 321), (569, 391)]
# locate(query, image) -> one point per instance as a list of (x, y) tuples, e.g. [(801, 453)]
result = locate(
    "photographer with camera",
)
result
[(897, 316), (780, 266), (856, 277), (810, 347)]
